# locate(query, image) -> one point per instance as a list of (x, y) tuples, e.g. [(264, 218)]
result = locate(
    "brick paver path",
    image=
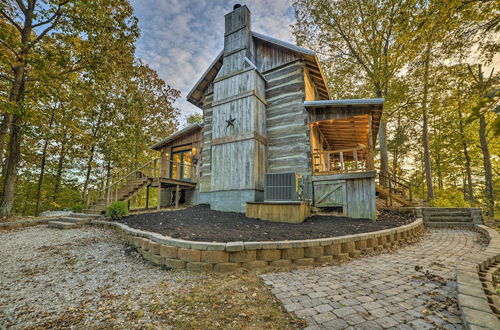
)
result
[(412, 288)]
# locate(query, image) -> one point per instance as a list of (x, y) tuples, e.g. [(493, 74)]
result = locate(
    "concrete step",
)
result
[(448, 219), (78, 221), (61, 225)]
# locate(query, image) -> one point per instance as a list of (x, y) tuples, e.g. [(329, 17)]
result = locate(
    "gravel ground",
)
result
[(76, 277), (88, 278)]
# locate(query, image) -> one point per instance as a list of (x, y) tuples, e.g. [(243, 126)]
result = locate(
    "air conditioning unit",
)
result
[(286, 187)]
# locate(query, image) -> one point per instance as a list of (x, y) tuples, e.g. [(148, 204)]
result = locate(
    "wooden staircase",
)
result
[(122, 189), (394, 188), (124, 193)]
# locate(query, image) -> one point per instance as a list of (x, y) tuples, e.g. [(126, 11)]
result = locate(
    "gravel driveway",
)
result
[(79, 277)]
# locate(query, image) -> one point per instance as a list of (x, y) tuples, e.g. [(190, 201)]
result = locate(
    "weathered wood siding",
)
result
[(361, 198), (268, 57), (206, 152), (287, 129)]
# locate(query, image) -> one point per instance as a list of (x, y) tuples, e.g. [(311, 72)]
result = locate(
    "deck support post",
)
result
[(177, 196), (159, 195), (147, 196)]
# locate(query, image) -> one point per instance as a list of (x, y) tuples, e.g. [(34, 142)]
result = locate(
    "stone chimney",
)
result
[(238, 145)]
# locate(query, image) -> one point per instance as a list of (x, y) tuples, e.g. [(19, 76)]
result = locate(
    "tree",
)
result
[(194, 118), (367, 39), (109, 31)]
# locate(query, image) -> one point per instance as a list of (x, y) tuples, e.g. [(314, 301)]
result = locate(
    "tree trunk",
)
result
[(42, 164), (89, 171), (425, 126), (11, 169), (468, 171), (15, 96), (488, 174), (4, 130), (60, 165)]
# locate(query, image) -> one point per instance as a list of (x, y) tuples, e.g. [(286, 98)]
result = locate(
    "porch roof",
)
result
[(348, 113), (185, 130)]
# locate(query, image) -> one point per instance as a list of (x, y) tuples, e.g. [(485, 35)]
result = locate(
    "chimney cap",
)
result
[(236, 6)]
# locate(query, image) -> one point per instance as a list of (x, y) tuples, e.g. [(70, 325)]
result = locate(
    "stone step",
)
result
[(448, 224), (446, 214), (78, 221), (448, 219), (446, 209), (84, 215), (61, 225)]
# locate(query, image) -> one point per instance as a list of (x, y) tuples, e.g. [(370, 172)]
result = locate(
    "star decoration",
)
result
[(230, 121)]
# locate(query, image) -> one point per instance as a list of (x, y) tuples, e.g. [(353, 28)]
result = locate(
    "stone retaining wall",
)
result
[(476, 309), (233, 256), (22, 224)]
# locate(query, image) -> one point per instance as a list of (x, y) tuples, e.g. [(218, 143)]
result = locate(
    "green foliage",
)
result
[(194, 118), (117, 210), (78, 207), (449, 198)]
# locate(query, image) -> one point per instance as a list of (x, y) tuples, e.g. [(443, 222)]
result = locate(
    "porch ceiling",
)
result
[(345, 133), (351, 116)]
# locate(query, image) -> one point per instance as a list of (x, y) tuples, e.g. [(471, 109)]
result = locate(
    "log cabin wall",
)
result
[(287, 129)]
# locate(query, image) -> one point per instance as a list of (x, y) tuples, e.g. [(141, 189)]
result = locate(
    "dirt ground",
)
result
[(87, 278), (199, 223)]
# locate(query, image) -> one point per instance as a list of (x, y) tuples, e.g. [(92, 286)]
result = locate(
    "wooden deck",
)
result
[(290, 212)]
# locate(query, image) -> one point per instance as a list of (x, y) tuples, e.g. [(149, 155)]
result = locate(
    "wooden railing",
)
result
[(395, 185), (115, 187), (343, 160)]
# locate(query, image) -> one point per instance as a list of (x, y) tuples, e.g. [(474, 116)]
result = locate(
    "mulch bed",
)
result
[(200, 223)]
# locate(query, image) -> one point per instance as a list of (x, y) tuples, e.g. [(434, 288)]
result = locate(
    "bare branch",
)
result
[(472, 73), (11, 20), (22, 6)]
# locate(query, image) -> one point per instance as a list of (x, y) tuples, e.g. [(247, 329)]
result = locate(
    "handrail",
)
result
[(130, 173)]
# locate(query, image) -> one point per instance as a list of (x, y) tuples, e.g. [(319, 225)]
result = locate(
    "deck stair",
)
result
[(124, 193), (394, 188), (448, 216), (74, 220)]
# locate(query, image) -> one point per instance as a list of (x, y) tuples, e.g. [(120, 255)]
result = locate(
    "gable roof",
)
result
[(311, 61)]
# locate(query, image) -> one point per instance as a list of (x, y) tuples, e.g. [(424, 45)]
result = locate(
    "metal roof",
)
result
[(185, 130), (345, 102), (284, 44)]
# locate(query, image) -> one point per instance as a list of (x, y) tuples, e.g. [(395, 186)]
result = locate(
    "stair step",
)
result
[(448, 219), (445, 209), (446, 214), (61, 225), (83, 215), (78, 221), (448, 224)]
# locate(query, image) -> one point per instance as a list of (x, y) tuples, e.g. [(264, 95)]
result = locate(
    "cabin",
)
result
[(271, 136)]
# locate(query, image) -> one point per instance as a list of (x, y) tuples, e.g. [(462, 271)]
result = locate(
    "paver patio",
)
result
[(414, 287)]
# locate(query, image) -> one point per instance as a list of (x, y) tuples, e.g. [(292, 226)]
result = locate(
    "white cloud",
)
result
[(180, 38)]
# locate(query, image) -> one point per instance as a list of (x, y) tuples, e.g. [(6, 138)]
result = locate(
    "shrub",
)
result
[(449, 198), (117, 210), (78, 207)]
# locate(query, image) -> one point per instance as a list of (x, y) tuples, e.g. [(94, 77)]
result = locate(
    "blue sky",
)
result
[(180, 38)]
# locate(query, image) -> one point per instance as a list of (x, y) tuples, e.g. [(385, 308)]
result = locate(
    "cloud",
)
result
[(180, 38)]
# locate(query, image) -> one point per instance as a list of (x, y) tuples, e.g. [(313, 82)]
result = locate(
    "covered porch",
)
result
[(343, 135)]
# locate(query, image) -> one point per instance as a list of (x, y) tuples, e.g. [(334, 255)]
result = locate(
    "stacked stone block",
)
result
[(281, 255)]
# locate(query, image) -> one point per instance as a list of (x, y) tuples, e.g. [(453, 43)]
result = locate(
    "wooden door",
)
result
[(330, 194)]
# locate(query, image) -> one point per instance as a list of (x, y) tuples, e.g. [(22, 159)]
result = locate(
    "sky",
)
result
[(180, 38)]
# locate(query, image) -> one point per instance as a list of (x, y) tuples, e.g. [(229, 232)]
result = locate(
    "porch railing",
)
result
[(395, 185), (343, 160)]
